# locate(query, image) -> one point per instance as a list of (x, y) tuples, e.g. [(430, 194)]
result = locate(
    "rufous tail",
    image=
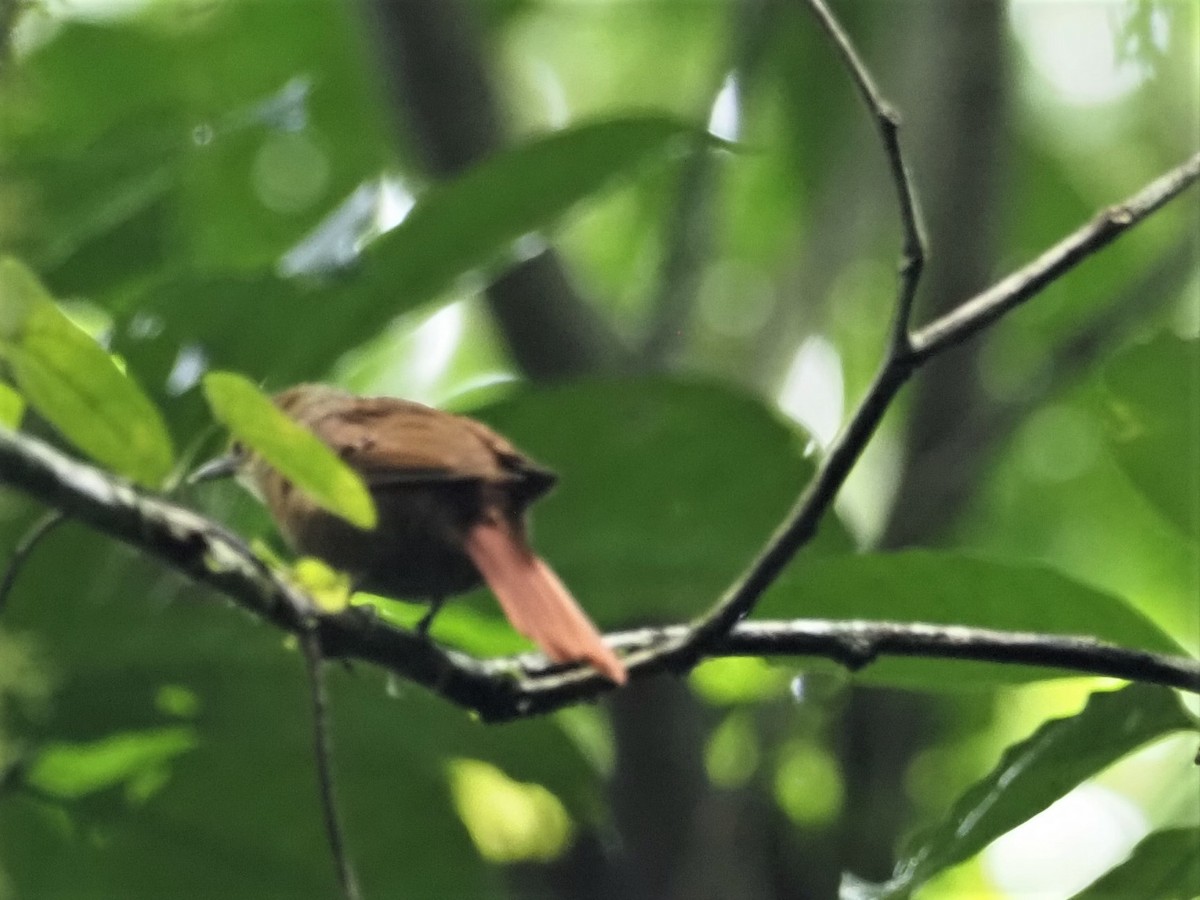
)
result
[(536, 602)]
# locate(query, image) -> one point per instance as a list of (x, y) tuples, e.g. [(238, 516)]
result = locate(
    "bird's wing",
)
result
[(393, 441)]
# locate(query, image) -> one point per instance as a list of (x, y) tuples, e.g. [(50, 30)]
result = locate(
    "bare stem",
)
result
[(25, 546), (977, 313), (887, 122), (323, 756)]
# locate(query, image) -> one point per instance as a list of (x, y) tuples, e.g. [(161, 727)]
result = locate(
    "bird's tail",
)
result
[(536, 602)]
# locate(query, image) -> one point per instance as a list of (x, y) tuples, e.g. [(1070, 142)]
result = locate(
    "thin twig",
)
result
[(887, 121), (1071, 358), (800, 526), (25, 546), (310, 643), (975, 314)]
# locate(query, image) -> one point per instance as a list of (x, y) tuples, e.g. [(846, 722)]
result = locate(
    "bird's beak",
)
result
[(218, 467)]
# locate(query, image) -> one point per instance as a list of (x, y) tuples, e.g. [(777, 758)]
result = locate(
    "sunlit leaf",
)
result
[(75, 385), (809, 786), (735, 680), (508, 820), (947, 588), (289, 447), (1165, 865), (12, 406), (1030, 776), (328, 587), (1153, 416), (731, 755), (76, 770)]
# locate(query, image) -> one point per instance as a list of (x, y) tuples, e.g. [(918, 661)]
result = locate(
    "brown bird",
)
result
[(451, 496)]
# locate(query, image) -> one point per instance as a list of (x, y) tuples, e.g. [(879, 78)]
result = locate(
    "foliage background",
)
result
[(178, 173)]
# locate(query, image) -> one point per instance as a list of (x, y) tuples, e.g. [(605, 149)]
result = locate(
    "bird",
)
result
[(452, 498)]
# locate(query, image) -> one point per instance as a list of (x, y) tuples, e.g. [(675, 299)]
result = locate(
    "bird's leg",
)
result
[(435, 606)]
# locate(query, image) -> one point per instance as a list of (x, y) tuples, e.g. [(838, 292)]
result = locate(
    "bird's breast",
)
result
[(416, 551)]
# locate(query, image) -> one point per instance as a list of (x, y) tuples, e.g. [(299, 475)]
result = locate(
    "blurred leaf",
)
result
[(1030, 776), (954, 589), (470, 222), (454, 229), (122, 631), (667, 489), (173, 157), (809, 785), (289, 447), (1153, 415), (731, 756), (1164, 865), (736, 680), (75, 385), (508, 820), (71, 771), (329, 588), (12, 406)]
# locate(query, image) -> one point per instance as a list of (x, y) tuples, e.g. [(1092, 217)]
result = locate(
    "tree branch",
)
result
[(907, 352), (975, 314), (501, 689), (509, 688), (887, 121), (856, 644)]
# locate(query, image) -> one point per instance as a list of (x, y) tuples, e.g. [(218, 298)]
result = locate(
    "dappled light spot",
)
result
[(1067, 846), (1075, 48), (725, 117), (290, 173), (1058, 443), (509, 821), (808, 783), (136, 759), (177, 700), (732, 753), (813, 393), (738, 680)]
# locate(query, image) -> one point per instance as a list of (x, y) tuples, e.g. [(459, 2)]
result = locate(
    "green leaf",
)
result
[(463, 226), (72, 382), (1152, 407), (667, 488), (71, 771), (1030, 776), (473, 220), (289, 447), (12, 406), (1164, 865), (955, 589)]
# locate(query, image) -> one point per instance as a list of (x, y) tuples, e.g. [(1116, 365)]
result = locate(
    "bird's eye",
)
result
[(237, 449)]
